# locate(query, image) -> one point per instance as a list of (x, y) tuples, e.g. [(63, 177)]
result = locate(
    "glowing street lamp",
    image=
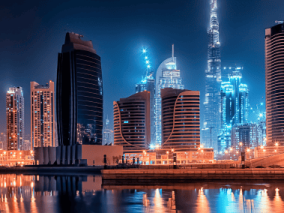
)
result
[(144, 51), (248, 150)]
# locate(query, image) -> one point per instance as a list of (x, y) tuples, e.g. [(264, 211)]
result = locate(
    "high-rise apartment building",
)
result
[(274, 80), (234, 107), (167, 76), (180, 119), (132, 122), (42, 115), (79, 93), (15, 118), (148, 84), (211, 124)]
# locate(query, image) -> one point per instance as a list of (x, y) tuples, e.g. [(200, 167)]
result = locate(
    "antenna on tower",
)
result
[(173, 50)]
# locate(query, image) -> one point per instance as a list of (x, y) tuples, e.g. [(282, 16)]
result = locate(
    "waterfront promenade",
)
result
[(194, 174)]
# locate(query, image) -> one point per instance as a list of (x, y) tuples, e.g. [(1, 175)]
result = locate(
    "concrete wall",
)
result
[(192, 174), (94, 154)]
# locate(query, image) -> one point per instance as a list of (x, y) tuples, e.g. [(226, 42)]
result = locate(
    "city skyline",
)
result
[(190, 70)]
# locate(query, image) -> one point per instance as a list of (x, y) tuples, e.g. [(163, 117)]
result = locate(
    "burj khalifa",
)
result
[(212, 117)]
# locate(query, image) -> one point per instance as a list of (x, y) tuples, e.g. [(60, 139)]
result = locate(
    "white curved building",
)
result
[(167, 76)]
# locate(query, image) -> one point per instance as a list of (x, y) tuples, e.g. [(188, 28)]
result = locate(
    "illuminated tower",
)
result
[(167, 76), (15, 118), (212, 83), (148, 84), (42, 115), (274, 80), (234, 107)]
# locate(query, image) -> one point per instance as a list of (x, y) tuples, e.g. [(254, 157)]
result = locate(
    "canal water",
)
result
[(88, 193)]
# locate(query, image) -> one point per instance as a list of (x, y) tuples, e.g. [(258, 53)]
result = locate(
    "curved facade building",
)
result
[(274, 76), (132, 122), (79, 93), (180, 119)]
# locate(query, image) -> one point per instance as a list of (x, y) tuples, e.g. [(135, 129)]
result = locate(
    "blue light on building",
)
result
[(234, 107)]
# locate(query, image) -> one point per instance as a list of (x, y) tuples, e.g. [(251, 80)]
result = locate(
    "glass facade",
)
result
[(167, 76), (234, 107), (211, 124), (15, 118), (79, 93)]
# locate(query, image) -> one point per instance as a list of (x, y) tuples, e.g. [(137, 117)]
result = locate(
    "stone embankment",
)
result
[(194, 174)]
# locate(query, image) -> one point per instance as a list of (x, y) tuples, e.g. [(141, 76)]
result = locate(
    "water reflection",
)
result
[(82, 193)]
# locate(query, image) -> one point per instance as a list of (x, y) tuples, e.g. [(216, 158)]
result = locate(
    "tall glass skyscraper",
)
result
[(234, 107), (79, 93), (15, 118), (167, 76), (212, 83)]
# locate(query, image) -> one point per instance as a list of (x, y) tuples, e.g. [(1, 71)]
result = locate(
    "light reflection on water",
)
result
[(36, 194)]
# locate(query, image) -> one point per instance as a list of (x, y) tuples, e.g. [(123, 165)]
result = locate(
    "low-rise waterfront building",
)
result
[(132, 122)]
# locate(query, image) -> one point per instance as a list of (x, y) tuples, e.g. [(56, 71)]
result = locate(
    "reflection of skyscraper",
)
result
[(15, 118), (180, 119), (234, 107), (212, 83), (167, 76), (79, 93), (274, 77), (42, 115), (132, 122)]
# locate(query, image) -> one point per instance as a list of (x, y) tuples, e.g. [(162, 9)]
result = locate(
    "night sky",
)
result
[(32, 33)]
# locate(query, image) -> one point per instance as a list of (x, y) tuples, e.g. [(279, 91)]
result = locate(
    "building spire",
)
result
[(173, 50)]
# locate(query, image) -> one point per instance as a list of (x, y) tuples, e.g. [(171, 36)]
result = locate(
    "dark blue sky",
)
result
[(32, 33)]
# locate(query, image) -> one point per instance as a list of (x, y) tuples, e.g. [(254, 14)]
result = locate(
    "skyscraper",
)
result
[(132, 122), (180, 119), (79, 93), (234, 107), (107, 133), (148, 84), (15, 118), (42, 115), (212, 83), (274, 80), (167, 76)]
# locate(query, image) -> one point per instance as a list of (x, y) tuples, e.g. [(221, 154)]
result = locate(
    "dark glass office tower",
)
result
[(79, 93)]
